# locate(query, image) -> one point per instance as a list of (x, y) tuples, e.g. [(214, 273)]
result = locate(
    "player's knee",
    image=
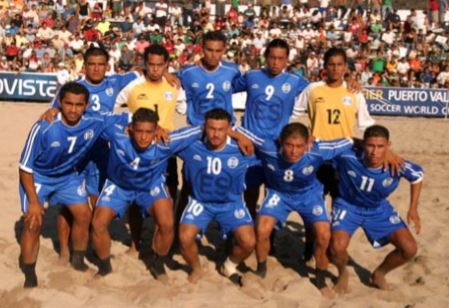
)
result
[(263, 232), (338, 246), (409, 249), (99, 225), (248, 242), (166, 226), (83, 216), (323, 238), (32, 229)]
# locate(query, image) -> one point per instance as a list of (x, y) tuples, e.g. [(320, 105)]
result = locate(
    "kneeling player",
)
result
[(135, 175), (363, 188), (290, 172), (215, 169)]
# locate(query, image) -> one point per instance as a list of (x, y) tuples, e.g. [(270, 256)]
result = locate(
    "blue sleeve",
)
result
[(182, 138), (240, 83), (33, 147), (412, 172), (127, 78), (114, 122), (55, 101), (331, 149), (302, 84), (261, 144)]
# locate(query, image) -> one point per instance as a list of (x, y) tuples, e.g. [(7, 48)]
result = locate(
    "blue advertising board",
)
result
[(407, 101), (32, 87)]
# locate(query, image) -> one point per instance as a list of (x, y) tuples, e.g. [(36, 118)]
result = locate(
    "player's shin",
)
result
[(29, 245)]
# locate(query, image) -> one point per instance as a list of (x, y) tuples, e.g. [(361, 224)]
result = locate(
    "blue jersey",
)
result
[(368, 187), (132, 169), (270, 101), (298, 177), (102, 96), (54, 149), (208, 90), (216, 176)]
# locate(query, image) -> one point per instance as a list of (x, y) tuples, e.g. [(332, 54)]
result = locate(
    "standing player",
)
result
[(208, 85), (363, 190), (215, 169), (333, 111), (135, 175), (271, 97), (48, 171), (290, 172)]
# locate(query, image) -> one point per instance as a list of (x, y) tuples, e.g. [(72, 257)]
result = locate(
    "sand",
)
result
[(424, 282)]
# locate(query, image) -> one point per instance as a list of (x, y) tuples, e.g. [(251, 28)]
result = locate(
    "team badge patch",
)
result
[(195, 85), (121, 152), (155, 191), (307, 170), (226, 86), (89, 134), (255, 86), (239, 214), (394, 220), (387, 182), (233, 162), (55, 144), (271, 167), (109, 91), (317, 210), (197, 157), (347, 100), (286, 88), (168, 96)]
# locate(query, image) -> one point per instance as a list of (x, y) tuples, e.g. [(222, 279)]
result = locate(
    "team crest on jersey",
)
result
[(307, 170), (255, 86), (271, 167), (395, 219), (109, 91), (317, 210), (142, 96), (226, 86), (168, 96), (155, 191), (55, 144), (89, 134), (347, 100), (195, 85), (286, 88), (197, 157), (239, 214), (121, 152), (352, 173), (233, 162), (387, 182)]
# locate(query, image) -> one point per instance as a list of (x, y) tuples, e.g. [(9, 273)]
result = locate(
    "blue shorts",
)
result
[(95, 170), (118, 199), (378, 223), (67, 190), (255, 177), (229, 216), (310, 206)]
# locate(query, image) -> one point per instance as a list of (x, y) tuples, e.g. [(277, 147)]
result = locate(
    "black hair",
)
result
[(376, 131), (145, 115), (155, 49), (214, 36), (294, 129), (332, 52), (277, 43), (218, 114), (75, 88), (96, 51)]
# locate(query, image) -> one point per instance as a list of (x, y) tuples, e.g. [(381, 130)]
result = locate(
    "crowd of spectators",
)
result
[(382, 49)]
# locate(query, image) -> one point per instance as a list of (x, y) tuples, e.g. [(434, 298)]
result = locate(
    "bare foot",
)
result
[(342, 284), (132, 252), (379, 281), (64, 258), (327, 292), (195, 275)]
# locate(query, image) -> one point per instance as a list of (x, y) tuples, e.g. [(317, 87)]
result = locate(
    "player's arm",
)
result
[(415, 175), (301, 103), (51, 113), (35, 209), (364, 119), (172, 79), (333, 148), (182, 138), (245, 144)]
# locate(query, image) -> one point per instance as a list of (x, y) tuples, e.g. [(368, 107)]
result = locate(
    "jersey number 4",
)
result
[(333, 116)]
